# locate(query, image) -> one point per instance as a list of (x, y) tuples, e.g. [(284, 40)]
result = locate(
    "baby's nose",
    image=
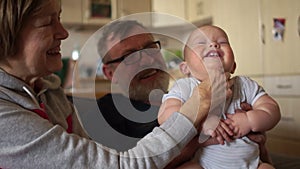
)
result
[(214, 44)]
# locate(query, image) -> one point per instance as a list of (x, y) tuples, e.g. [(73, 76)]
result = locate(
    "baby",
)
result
[(208, 53)]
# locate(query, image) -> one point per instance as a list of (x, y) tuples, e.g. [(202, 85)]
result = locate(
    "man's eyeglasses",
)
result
[(135, 56)]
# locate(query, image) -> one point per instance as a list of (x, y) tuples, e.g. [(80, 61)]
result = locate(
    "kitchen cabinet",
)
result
[(127, 7), (286, 91), (250, 27), (281, 53), (197, 10), (240, 19), (285, 137), (88, 12), (188, 10), (263, 54), (100, 12), (90, 88), (130, 7), (71, 11), (97, 12)]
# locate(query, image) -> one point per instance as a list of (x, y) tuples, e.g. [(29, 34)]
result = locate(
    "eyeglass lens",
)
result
[(150, 50)]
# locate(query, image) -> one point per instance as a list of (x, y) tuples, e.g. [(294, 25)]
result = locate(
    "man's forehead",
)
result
[(130, 40), (139, 36)]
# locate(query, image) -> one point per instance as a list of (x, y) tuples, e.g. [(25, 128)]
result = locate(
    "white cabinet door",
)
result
[(132, 9), (71, 11), (289, 125), (282, 56), (197, 10), (187, 10), (286, 91), (128, 7), (285, 137), (170, 7), (240, 19)]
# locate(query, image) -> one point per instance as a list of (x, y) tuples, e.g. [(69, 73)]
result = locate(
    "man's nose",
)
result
[(146, 58)]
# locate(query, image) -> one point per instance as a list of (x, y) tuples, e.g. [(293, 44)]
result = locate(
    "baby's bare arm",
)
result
[(265, 114)]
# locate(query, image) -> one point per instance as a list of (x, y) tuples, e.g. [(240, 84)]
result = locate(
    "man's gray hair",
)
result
[(120, 29)]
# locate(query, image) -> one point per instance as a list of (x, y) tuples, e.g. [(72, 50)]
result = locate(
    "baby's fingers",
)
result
[(223, 134), (226, 128)]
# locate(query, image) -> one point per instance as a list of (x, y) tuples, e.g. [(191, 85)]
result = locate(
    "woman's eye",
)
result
[(43, 22)]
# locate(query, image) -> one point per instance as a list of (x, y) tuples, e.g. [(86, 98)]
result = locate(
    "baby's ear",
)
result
[(184, 68), (233, 68)]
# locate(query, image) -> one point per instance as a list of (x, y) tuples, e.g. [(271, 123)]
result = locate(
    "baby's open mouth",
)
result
[(213, 54)]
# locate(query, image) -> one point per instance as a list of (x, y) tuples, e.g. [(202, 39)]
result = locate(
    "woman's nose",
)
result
[(61, 33)]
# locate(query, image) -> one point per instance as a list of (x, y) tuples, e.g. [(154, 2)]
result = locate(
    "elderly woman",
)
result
[(39, 127)]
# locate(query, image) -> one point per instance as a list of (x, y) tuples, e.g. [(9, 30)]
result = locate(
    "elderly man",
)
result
[(132, 60)]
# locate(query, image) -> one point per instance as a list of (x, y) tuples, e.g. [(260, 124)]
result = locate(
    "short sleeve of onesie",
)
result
[(182, 89)]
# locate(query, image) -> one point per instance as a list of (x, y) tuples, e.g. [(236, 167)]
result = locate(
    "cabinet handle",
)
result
[(289, 86), (298, 25), (262, 35), (287, 118)]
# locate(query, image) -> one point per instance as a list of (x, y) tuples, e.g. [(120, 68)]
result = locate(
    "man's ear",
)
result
[(233, 68), (184, 68), (108, 72)]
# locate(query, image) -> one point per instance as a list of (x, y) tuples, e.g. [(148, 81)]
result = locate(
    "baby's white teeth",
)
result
[(213, 54)]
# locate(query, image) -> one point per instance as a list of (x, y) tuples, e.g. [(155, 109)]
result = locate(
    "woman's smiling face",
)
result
[(38, 47)]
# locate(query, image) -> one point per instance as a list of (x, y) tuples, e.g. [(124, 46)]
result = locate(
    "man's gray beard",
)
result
[(141, 92)]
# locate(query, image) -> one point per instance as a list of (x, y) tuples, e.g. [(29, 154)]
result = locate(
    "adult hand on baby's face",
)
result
[(192, 109), (220, 84), (210, 94), (216, 88)]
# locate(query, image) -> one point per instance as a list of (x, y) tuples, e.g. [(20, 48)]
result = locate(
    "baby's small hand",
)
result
[(217, 129), (238, 123)]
